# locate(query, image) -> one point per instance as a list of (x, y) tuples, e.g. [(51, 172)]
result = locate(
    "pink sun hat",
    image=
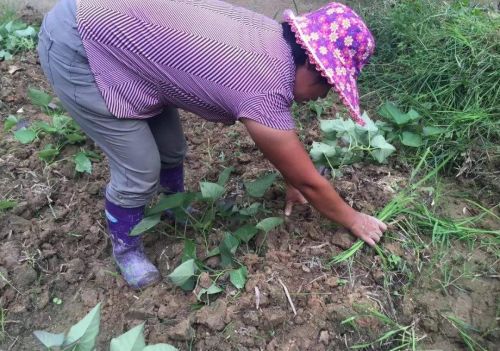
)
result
[(339, 44)]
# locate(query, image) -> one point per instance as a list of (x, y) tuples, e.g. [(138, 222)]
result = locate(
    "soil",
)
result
[(54, 245)]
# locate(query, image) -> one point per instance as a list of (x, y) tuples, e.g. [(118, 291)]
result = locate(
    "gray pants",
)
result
[(136, 149)]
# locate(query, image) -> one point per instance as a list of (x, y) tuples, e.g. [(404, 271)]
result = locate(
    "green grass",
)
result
[(443, 60)]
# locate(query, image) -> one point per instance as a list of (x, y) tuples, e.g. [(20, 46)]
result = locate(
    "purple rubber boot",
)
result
[(172, 179), (128, 251)]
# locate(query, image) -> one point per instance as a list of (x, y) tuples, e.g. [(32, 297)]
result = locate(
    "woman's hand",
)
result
[(367, 228), (293, 196)]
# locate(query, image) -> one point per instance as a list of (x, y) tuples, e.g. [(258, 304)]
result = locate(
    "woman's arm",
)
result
[(286, 153)]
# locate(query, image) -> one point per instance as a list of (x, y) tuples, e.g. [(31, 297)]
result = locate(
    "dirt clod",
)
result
[(213, 316)]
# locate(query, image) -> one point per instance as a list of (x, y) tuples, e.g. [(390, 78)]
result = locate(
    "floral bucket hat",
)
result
[(339, 44)]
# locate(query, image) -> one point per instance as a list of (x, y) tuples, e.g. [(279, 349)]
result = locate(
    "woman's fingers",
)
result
[(288, 208), (382, 225)]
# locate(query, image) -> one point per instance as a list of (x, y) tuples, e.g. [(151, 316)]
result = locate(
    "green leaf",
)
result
[(413, 115), (44, 127), (258, 187), (49, 340), (224, 176), (319, 150), (337, 125), (25, 135), (75, 138), (48, 153), (369, 126), (391, 112), (82, 163), (212, 191), (189, 252), (213, 289), (39, 97), (146, 224), (9, 123), (28, 32), (269, 224), (251, 210), (160, 347), (411, 139), (133, 340), (239, 277), (61, 122), (167, 202), (246, 233), (85, 331), (182, 273), (228, 248), (382, 149), (7, 56), (7, 204), (431, 131)]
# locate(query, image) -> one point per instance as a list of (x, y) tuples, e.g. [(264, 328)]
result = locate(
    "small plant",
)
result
[(398, 337), (212, 206), (465, 330), (345, 142), (16, 36), (405, 127), (83, 337), (62, 129)]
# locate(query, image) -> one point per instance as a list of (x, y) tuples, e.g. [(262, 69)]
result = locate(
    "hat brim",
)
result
[(333, 78)]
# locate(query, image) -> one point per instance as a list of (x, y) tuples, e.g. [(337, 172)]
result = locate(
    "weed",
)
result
[(465, 330), (16, 36), (398, 337), (442, 59)]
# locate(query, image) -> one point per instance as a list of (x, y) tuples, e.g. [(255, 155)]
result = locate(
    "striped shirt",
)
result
[(208, 57)]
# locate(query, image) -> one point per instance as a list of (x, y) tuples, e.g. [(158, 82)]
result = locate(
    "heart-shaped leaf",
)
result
[(25, 135), (382, 149), (228, 248), (82, 163), (48, 153), (9, 123), (269, 224), (320, 150), (146, 224), (49, 340), (85, 331), (246, 233), (189, 250), (258, 187), (133, 340), (239, 277), (213, 289), (39, 97), (392, 112), (251, 210), (212, 191), (167, 202), (411, 139), (182, 273), (337, 125), (224, 176)]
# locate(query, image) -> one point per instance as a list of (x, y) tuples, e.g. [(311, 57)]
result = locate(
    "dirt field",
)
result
[(53, 245)]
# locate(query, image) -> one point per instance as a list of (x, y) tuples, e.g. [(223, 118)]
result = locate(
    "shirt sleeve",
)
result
[(269, 109)]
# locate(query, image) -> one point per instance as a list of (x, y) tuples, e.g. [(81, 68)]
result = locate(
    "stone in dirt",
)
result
[(342, 238), (183, 331), (324, 337), (23, 277), (213, 316), (274, 317)]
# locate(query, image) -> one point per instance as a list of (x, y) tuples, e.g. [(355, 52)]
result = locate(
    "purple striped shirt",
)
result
[(208, 57)]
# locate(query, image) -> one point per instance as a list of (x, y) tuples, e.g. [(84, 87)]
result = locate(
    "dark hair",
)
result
[(299, 54)]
